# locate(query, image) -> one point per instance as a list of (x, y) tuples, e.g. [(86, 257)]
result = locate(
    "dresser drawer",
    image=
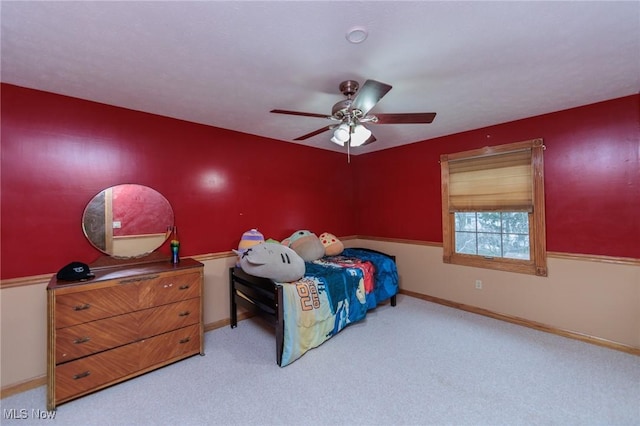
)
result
[(165, 318), (88, 373), (90, 305), (96, 336), (168, 289), (166, 347)]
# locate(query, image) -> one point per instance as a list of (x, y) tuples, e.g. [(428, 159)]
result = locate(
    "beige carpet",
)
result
[(416, 364)]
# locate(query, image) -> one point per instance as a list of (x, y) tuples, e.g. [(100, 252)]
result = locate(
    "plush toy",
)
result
[(272, 260), (249, 239), (307, 245), (332, 245)]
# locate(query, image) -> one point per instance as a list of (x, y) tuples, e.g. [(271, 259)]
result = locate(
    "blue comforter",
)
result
[(334, 292)]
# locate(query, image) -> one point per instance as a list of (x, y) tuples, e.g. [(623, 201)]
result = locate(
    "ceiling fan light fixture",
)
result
[(336, 141), (341, 134), (360, 135)]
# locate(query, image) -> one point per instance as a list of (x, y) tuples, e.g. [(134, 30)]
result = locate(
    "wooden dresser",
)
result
[(126, 321)]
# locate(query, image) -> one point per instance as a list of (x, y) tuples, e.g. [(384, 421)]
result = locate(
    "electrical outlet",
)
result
[(478, 284), (117, 224)]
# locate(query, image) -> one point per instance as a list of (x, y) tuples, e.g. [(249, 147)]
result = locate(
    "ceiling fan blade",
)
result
[(369, 95), (408, 118), (304, 114), (371, 139), (316, 132)]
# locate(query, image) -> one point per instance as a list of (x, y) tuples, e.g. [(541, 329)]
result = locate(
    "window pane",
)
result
[(489, 245), (515, 223), (489, 222), (466, 242), (493, 234), (465, 222), (516, 246)]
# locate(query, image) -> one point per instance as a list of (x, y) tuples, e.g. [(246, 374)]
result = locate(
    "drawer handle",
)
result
[(185, 340), (81, 375), (81, 307), (184, 287), (184, 314), (80, 340)]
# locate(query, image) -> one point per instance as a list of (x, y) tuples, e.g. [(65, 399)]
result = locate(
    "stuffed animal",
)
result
[(307, 245), (249, 239), (272, 260), (332, 245)]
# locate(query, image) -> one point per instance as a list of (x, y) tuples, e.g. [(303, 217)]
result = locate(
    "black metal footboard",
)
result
[(259, 296)]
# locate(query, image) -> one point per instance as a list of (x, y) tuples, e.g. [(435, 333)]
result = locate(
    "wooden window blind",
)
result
[(498, 182)]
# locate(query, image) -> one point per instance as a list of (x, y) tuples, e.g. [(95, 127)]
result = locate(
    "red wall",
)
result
[(592, 179), (58, 152)]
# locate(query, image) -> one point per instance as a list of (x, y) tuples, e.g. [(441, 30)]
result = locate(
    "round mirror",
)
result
[(128, 220)]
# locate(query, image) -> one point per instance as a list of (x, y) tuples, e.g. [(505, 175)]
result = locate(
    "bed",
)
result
[(335, 291)]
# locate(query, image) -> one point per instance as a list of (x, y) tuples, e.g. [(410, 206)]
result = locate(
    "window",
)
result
[(493, 208), (493, 234)]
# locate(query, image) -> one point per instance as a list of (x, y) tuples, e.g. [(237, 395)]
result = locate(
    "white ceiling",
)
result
[(228, 63)]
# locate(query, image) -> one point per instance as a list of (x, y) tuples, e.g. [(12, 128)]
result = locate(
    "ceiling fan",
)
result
[(350, 114)]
